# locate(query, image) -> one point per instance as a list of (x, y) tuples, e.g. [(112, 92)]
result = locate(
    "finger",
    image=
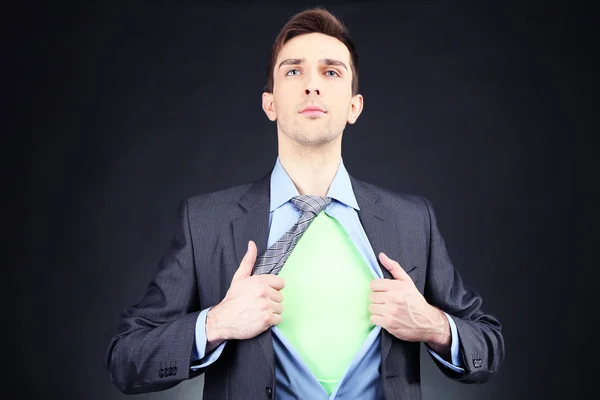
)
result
[(274, 281), (276, 319), (393, 266), (275, 295), (378, 297), (247, 264), (276, 308), (380, 285), (377, 309), (377, 320)]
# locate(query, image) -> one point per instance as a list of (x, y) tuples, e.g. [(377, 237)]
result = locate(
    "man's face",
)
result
[(312, 91)]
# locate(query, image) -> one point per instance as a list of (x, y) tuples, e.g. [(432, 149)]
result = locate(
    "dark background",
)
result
[(487, 109)]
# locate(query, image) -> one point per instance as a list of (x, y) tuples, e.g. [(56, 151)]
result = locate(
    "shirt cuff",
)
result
[(199, 358), (457, 365)]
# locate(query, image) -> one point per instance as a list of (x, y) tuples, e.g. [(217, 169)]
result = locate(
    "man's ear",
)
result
[(355, 108), (268, 106)]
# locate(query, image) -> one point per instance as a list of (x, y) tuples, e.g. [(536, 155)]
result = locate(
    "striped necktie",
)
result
[(273, 259)]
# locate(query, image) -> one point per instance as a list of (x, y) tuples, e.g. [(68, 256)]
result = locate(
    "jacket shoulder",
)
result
[(222, 202), (394, 199)]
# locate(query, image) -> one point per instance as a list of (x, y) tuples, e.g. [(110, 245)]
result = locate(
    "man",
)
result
[(363, 272)]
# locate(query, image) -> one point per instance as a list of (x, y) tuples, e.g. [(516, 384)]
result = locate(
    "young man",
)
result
[(362, 272)]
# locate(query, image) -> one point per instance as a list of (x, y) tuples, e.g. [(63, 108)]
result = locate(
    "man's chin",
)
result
[(315, 140)]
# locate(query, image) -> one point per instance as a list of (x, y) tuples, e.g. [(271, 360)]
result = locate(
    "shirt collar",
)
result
[(283, 189)]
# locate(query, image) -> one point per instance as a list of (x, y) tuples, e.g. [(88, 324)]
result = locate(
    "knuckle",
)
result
[(267, 318)]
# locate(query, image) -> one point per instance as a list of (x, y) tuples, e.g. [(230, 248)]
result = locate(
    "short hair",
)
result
[(315, 20)]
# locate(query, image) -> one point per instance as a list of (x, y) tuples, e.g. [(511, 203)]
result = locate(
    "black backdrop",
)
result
[(130, 107)]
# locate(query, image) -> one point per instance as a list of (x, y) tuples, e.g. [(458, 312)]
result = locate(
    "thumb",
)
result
[(247, 264), (393, 266)]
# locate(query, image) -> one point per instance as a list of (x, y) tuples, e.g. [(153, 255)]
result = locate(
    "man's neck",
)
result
[(311, 170)]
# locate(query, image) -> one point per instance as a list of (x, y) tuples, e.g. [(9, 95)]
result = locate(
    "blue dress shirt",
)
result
[(294, 379)]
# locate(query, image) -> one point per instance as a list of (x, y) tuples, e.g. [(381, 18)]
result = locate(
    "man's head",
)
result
[(313, 64)]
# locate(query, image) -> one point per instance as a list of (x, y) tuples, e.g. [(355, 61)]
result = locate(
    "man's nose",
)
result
[(312, 86)]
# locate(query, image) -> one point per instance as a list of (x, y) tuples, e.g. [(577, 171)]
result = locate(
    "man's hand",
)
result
[(398, 307), (251, 306)]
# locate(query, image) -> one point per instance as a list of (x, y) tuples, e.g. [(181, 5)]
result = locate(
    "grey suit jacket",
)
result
[(152, 348)]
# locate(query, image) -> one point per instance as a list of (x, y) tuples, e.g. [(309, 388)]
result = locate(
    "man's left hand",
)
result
[(398, 307)]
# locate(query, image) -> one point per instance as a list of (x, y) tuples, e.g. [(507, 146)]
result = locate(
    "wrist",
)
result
[(214, 332), (440, 338)]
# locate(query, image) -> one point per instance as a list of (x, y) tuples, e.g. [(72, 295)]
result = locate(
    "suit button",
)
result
[(170, 373), (161, 373), (175, 370), (269, 392)]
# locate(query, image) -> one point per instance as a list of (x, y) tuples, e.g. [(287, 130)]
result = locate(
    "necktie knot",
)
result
[(309, 203)]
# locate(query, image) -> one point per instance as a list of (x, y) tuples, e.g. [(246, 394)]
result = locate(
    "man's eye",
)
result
[(332, 72), (295, 72)]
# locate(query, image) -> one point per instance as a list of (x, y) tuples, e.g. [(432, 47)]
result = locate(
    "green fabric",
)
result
[(326, 300)]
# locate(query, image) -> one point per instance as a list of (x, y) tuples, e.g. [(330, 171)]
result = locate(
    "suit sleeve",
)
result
[(480, 334), (153, 346)]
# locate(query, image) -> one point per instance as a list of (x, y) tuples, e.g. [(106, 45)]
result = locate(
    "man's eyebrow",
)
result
[(291, 61), (329, 61), (326, 61)]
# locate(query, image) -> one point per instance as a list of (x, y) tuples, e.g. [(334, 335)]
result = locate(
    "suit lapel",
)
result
[(380, 226), (253, 224)]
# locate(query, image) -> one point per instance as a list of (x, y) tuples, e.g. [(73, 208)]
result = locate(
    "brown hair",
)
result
[(315, 20)]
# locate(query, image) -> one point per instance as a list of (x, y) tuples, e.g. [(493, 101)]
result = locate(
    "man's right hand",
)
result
[(251, 306)]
